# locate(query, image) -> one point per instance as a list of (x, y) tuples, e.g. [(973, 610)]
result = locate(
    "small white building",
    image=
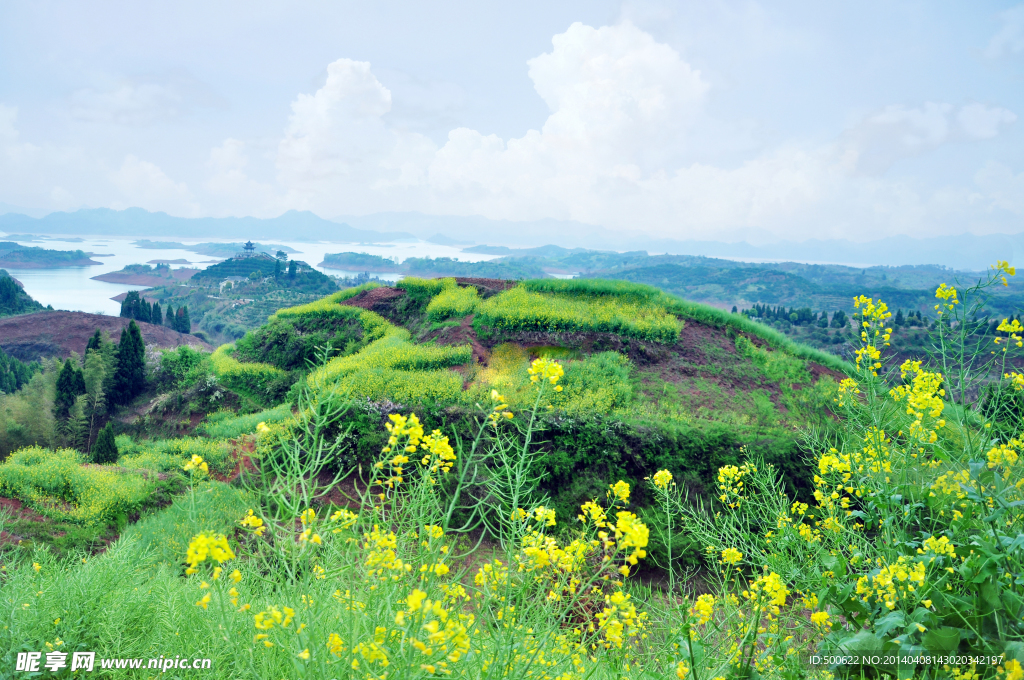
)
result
[(232, 280)]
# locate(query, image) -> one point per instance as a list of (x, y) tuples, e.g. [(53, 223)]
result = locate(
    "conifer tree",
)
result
[(169, 316), (292, 267), (105, 449), (277, 269), (144, 312), (70, 384), (157, 315), (130, 374), (186, 324), (95, 342)]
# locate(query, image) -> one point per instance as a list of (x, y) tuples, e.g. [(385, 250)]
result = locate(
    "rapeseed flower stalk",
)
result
[(253, 522), (197, 466)]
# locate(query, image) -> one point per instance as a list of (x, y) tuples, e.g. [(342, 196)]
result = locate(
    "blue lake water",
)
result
[(71, 288)]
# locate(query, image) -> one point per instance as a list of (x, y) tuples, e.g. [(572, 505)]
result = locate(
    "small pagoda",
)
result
[(248, 250)]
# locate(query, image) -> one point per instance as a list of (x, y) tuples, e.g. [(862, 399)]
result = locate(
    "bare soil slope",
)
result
[(48, 334)]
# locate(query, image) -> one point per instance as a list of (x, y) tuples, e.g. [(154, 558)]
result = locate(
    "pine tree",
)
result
[(144, 311), (158, 318), (95, 342), (277, 269), (292, 267), (130, 374), (185, 325), (105, 449), (169, 316), (70, 384)]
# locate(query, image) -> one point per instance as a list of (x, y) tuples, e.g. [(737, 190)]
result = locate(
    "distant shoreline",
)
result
[(22, 264)]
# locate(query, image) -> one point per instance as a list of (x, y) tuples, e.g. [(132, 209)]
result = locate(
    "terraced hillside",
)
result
[(650, 381)]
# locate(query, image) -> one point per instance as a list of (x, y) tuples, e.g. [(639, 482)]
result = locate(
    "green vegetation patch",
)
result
[(261, 382), (57, 484), (162, 455), (520, 309), (452, 301), (228, 425), (163, 537)]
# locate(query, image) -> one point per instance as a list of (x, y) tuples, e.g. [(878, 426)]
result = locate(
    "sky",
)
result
[(686, 120)]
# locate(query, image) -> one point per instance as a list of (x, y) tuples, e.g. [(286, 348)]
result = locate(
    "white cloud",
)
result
[(1002, 188), (624, 110), (143, 184), (1010, 37), (897, 132), (231, 190), (981, 122), (336, 145), (142, 100)]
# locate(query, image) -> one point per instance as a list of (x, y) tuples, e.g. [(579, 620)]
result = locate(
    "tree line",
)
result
[(69, 403), (135, 307)]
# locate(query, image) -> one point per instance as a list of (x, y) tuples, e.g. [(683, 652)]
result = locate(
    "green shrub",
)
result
[(184, 366), (260, 382), (453, 301), (296, 343), (104, 451), (519, 309), (228, 425), (598, 384), (57, 484)]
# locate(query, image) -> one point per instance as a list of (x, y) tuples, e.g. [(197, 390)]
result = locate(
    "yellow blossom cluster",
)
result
[(1005, 456), (662, 479), (923, 397), (381, 556), (196, 466), (768, 592), (937, 546), (253, 522), (731, 485), (703, 609), (207, 545), (1004, 266), (499, 410), (947, 298), (546, 369), (846, 392), (890, 582), (1012, 328), (1016, 380), (619, 622)]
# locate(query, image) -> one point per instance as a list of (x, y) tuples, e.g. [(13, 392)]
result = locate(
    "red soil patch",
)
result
[(18, 511), (375, 299), (48, 334), (243, 450), (463, 334), (486, 287)]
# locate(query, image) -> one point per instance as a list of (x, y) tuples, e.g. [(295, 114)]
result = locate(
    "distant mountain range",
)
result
[(964, 252)]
